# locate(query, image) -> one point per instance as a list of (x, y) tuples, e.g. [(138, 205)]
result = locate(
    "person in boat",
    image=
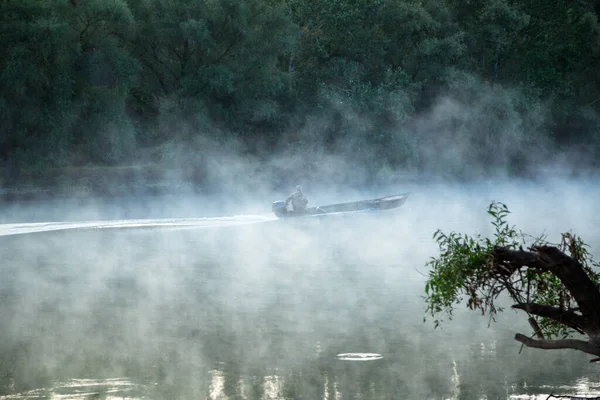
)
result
[(297, 199)]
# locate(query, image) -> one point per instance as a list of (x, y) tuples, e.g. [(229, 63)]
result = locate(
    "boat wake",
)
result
[(176, 223), (83, 389)]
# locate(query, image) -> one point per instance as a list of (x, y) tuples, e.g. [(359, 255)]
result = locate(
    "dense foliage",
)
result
[(469, 269), (439, 86)]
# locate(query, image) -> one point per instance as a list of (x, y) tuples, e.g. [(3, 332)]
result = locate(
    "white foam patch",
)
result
[(359, 356)]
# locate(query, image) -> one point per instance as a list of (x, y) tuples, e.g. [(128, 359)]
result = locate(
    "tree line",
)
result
[(427, 85)]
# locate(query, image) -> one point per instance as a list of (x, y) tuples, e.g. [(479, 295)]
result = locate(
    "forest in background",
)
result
[(142, 89)]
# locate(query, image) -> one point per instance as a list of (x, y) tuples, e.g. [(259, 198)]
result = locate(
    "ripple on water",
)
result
[(359, 356)]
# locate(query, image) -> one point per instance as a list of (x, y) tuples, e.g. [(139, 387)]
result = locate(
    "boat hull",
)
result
[(380, 204)]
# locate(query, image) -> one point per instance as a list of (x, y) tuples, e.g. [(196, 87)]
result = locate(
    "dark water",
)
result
[(252, 312)]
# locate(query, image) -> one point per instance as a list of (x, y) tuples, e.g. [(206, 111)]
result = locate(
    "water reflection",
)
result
[(83, 389), (270, 387), (248, 313)]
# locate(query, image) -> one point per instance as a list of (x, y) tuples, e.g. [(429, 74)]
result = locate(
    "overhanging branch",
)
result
[(511, 260), (567, 269), (573, 344), (568, 318)]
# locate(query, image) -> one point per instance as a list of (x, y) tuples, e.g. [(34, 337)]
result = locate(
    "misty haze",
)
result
[(254, 307), (148, 246)]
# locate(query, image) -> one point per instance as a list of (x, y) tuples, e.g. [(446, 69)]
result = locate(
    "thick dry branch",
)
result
[(568, 318), (574, 344), (568, 270), (509, 261)]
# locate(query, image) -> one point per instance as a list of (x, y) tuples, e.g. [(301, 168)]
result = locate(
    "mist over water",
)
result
[(241, 305), (110, 292)]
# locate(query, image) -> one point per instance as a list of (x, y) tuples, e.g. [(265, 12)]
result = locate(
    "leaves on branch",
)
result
[(477, 270)]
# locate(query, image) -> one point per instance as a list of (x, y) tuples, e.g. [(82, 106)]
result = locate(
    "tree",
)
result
[(556, 285), (216, 61), (364, 66), (491, 29), (36, 114), (63, 81), (357, 49), (105, 72)]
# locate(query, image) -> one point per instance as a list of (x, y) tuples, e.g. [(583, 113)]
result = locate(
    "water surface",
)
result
[(249, 307)]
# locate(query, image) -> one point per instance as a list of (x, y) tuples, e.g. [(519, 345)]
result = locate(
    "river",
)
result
[(250, 307)]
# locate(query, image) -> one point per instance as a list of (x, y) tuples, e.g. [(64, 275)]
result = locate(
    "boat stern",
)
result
[(279, 208)]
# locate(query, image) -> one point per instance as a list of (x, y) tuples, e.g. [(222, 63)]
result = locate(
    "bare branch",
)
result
[(554, 396), (573, 344), (565, 317), (570, 272)]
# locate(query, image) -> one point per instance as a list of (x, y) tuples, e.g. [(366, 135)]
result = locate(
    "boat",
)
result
[(281, 210)]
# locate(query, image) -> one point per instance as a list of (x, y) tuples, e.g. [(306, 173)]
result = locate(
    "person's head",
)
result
[(299, 188)]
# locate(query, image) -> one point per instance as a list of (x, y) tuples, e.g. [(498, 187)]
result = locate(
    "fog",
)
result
[(201, 292), (148, 263), (213, 298)]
